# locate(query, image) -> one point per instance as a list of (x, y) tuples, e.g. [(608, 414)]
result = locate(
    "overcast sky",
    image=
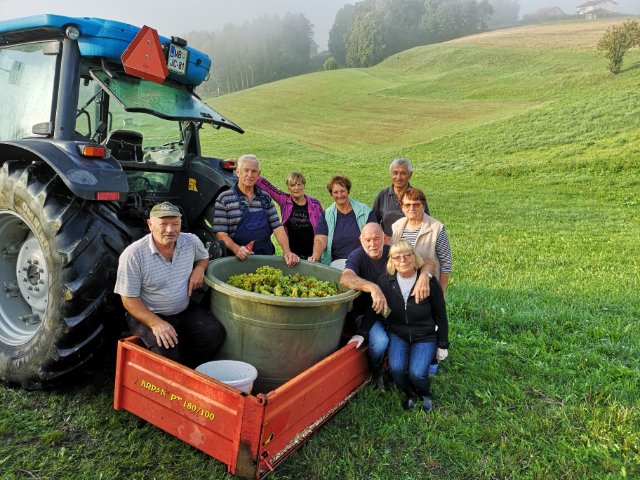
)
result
[(179, 17)]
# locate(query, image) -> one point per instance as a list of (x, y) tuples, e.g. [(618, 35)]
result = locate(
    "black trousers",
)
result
[(200, 335)]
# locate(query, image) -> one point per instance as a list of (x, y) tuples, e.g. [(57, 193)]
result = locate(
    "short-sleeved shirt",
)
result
[(161, 284), (228, 213), (346, 236), (300, 231), (368, 269)]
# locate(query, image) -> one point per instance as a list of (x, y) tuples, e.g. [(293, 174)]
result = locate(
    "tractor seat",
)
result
[(125, 145)]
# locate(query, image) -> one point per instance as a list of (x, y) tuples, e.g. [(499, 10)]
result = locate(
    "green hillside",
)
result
[(528, 150), (413, 103)]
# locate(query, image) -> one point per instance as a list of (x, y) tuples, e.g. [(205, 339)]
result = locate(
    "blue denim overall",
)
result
[(254, 226)]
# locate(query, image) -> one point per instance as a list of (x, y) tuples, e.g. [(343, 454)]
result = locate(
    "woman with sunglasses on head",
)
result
[(426, 234), (418, 332)]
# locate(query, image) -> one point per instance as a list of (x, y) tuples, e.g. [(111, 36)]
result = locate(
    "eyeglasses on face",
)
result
[(401, 256), (412, 205)]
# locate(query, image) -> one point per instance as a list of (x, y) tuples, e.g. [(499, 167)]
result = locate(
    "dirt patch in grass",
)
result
[(575, 35)]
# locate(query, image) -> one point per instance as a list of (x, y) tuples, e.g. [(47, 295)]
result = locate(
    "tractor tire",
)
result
[(58, 264)]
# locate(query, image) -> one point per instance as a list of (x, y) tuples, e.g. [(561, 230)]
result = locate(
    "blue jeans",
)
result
[(409, 365), (378, 343)]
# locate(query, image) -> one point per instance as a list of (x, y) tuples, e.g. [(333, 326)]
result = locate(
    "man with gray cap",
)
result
[(156, 277)]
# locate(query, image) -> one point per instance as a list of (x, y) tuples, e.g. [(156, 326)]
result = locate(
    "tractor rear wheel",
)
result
[(58, 263)]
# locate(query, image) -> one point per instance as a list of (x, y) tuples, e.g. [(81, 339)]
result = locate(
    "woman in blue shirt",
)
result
[(342, 222)]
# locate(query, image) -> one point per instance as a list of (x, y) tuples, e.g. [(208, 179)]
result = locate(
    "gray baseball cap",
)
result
[(165, 209)]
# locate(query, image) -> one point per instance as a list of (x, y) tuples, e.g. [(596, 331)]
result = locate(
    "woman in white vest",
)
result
[(426, 234)]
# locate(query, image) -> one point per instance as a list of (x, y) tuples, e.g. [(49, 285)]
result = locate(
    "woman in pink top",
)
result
[(300, 216)]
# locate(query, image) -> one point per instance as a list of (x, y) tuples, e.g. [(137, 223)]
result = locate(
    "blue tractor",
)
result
[(99, 120)]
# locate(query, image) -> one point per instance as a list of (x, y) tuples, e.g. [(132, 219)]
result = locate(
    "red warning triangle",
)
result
[(144, 57)]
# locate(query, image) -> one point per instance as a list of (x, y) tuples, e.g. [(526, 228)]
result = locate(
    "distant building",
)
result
[(545, 15), (592, 8), (549, 12)]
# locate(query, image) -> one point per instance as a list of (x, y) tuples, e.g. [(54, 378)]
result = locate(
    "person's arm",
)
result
[(349, 279), (430, 265), (439, 312), (221, 229), (443, 252), (320, 239), (290, 258), (377, 207), (164, 332), (196, 279), (240, 251), (276, 194), (444, 281), (319, 244), (421, 289), (378, 212)]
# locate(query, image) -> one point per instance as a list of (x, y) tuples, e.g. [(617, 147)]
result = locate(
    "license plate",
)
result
[(178, 59)]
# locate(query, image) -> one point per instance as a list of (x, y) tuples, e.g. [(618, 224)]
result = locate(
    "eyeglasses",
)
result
[(412, 205), (401, 256)]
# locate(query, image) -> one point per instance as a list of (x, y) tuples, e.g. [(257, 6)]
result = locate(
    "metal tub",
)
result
[(280, 336)]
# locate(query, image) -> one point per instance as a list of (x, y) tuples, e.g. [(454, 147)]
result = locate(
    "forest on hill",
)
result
[(271, 48)]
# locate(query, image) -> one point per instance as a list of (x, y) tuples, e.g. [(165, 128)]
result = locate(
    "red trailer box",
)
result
[(251, 434)]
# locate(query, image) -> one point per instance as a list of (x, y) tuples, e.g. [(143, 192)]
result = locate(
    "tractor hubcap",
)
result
[(24, 281)]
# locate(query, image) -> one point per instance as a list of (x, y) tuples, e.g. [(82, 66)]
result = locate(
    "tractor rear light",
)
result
[(108, 196), (229, 165), (95, 151)]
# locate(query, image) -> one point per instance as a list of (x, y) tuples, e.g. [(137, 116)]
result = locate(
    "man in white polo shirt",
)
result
[(156, 277)]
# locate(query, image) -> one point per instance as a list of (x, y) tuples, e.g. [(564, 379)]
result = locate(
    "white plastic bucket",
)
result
[(232, 372)]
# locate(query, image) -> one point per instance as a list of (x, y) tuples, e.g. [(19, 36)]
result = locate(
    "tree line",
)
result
[(271, 48), (265, 50), (371, 30)]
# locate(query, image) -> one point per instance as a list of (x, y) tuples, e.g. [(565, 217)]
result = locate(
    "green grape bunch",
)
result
[(273, 281)]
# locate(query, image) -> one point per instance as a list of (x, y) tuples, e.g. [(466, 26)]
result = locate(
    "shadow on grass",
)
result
[(630, 68)]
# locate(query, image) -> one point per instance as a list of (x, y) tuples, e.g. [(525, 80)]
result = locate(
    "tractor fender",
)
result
[(84, 176), (205, 180)]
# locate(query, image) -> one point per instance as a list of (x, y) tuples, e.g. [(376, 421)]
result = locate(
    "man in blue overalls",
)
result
[(245, 216)]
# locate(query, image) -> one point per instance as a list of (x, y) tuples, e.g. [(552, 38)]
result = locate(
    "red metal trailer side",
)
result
[(251, 434)]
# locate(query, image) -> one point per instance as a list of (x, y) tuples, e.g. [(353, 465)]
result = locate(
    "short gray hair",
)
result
[(401, 161), (249, 157)]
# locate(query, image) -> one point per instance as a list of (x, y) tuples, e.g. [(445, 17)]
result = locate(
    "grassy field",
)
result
[(529, 152)]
